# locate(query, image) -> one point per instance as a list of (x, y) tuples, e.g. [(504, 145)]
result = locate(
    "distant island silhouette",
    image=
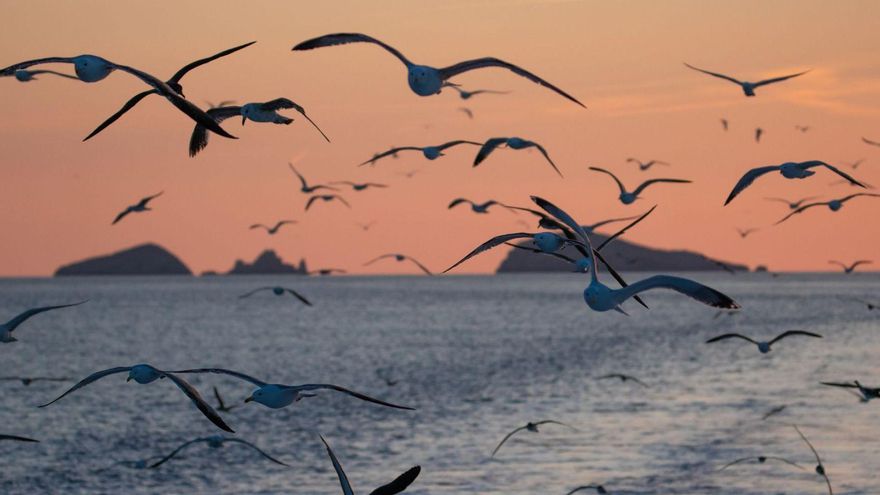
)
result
[(623, 255), (268, 263), (146, 259)]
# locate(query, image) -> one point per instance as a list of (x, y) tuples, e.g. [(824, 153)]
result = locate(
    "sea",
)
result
[(477, 356)]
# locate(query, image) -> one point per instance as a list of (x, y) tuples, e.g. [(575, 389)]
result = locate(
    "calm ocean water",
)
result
[(477, 356)]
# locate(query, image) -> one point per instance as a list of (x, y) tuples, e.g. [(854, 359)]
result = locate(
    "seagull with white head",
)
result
[(789, 170), (430, 152), (748, 88), (514, 143)]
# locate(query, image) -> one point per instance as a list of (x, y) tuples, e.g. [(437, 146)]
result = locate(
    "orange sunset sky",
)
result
[(622, 59)]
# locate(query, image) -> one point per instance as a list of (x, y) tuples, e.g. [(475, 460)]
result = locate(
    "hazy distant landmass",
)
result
[(146, 259), (623, 256), (268, 263)]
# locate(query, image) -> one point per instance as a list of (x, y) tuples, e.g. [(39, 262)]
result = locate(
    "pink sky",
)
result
[(622, 59)]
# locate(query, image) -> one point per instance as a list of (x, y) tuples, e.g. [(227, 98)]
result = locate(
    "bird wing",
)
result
[(851, 196), (310, 201), (259, 450), (690, 288), (614, 274), (779, 79), (390, 255), (781, 200), (866, 140), (390, 152), (9, 71), (619, 184), (175, 452), (223, 371), (258, 225), (817, 163), (479, 63), (220, 403), (18, 320), (552, 422), (343, 479), (625, 229), (346, 38), (610, 220), (147, 200), (861, 262), (647, 183), (747, 179), (786, 461), (487, 148), (538, 251), (450, 144), (722, 76), (575, 227), (794, 332), (585, 487), (199, 402), (124, 213), (738, 461), (122, 111), (506, 437), (298, 296), (838, 384), (249, 294), (90, 379), (547, 156), (280, 103), (202, 61), (421, 266), (799, 210), (17, 438), (816, 454), (199, 139), (53, 72), (342, 200), (730, 336), (491, 243), (458, 201), (328, 386), (400, 483)]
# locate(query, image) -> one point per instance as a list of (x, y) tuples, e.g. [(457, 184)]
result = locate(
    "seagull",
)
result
[(410, 174), (359, 186), (326, 198), (138, 208), (30, 75), (745, 232), (215, 442), (276, 396), (173, 83), (870, 305), (430, 152), (92, 68), (466, 95), (15, 438), (789, 170), (773, 412), (306, 188), (724, 124), (623, 378), (833, 205), (7, 328), (266, 112), (365, 226), (802, 128), (628, 198), (425, 80), (397, 486), (467, 111), (28, 380), (278, 291), (758, 133), (599, 489), (326, 271), (820, 468), (274, 229), (872, 143), (761, 460), (747, 87), (514, 143), (847, 269), (400, 257), (221, 406), (134, 464), (764, 346), (854, 165), (475, 207), (532, 427), (600, 297), (643, 166), (144, 374), (385, 375), (865, 393), (792, 205)]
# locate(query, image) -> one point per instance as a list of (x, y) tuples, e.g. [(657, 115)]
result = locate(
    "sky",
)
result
[(623, 59)]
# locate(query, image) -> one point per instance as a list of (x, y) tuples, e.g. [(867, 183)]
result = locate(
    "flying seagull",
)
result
[(215, 442), (28, 380), (15, 438), (872, 143), (745, 232), (833, 205), (623, 378), (643, 166), (820, 468), (724, 124), (792, 205), (747, 87), (355, 186), (397, 486), (758, 133), (854, 165), (266, 112), (92, 68), (400, 257), (475, 207), (513, 143), (802, 128), (278, 291), (789, 170), (142, 206), (763, 346), (630, 197), (466, 95), (865, 394), (274, 229), (467, 111), (144, 374), (173, 83), (306, 188), (30, 75), (366, 226), (773, 412), (7, 328), (532, 427), (326, 198), (425, 80), (221, 405), (849, 268), (429, 152), (326, 271), (599, 489), (761, 460), (276, 396), (870, 305)]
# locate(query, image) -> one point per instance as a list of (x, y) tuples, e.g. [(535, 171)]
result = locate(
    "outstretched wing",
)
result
[(458, 201), (198, 63), (223, 371), (491, 243), (625, 229), (199, 402), (487, 148), (851, 196), (175, 452), (799, 210), (818, 163), (480, 63), (392, 151), (377, 258), (346, 38), (302, 111), (647, 183), (690, 288), (450, 144), (421, 266), (722, 76), (18, 320), (18, 439), (10, 71), (328, 386), (730, 336), (747, 179), (259, 450), (90, 379), (794, 332), (779, 79), (249, 294), (619, 184), (738, 461), (144, 202), (298, 296), (400, 483), (343, 479), (547, 156), (552, 422), (122, 111), (507, 437), (538, 251), (199, 139)]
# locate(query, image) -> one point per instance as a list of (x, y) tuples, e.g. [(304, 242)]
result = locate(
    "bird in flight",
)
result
[(599, 489), (359, 186), (221, 405), (215, 442), (623, 378), (7, 328), (399, 258), (847, 269), (792, 205), (745, 232), (627, 197), (141, 206), (820, 468), (481, 208), (643, 166), (28, 380), (425, 80), (764, 346), (429, 152), (278, 291), (724, 124), (326, 271), (326, 198), (833, 205), (865, 394), (531, 427), (467, 111), (870, 305), (399, 485), (802, 128), (761, 460), (747, 87), (513, 143), (466, 95), (758, 133), (274, 229), (789, 170), (305, 187), (872, 143)]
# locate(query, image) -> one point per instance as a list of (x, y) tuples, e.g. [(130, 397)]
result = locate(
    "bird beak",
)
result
[(127, 379), (249, 399)]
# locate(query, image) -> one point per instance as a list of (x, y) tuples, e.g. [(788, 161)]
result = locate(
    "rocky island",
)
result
[(146, 259)]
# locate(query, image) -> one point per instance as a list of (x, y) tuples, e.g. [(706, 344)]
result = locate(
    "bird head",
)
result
[(424, 80)]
